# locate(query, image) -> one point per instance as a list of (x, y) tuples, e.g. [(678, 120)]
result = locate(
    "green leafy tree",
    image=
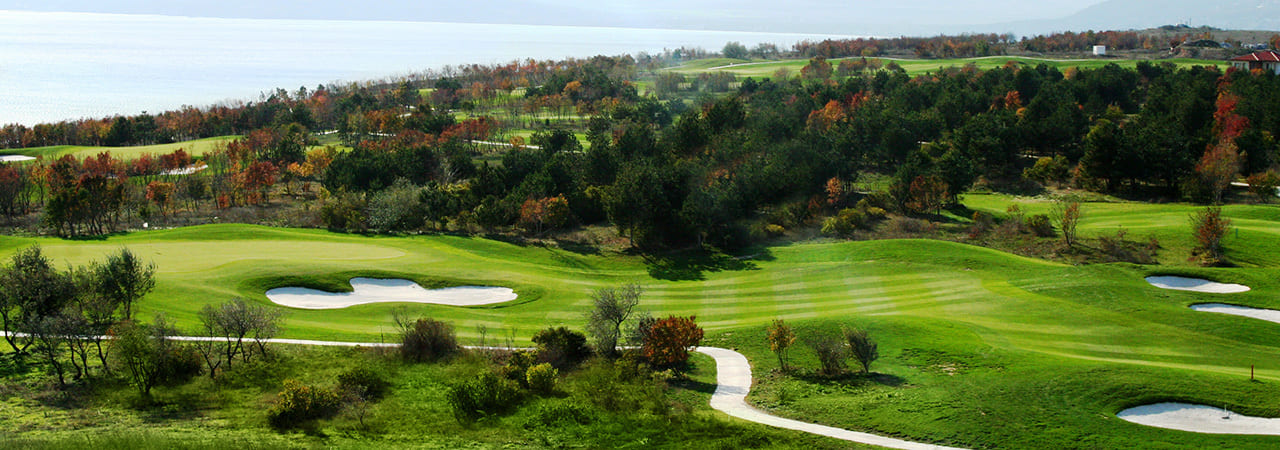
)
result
[(734, 50), (31, 291), (861, 347), (124, 279)]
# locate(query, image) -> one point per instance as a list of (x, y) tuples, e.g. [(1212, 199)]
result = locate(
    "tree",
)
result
[(236, 320), (780, 339), (861, 347), (1217, 169), (611, 308), (928, 193), (1067, 215), (1209, 228), (667, 342), (734, 50), (124, 279), (149, 354), (1264, 185), (544, 213), (160, 193), (830, 352), (31, 290)]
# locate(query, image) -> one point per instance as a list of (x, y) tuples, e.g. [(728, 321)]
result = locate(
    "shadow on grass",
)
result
[(693, 265), (853, 379)]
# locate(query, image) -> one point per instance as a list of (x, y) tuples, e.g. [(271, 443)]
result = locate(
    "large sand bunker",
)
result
[(1199, 419), (1269, 315), (16, 158), (374, 290), (1196, 285)]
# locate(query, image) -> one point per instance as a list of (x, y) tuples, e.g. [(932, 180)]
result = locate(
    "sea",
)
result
[(65, 66)]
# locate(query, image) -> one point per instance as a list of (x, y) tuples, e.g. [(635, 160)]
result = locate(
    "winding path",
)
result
[(733, 381)]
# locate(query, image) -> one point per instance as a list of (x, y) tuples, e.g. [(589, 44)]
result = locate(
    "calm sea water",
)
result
[(56, 66)]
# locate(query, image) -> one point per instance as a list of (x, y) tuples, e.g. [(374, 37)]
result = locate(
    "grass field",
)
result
[(760, 68), (194, 148), (979, 348)]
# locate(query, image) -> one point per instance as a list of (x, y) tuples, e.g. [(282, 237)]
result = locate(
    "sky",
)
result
[(795, 16)]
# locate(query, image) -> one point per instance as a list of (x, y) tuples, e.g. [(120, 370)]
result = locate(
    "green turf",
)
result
[(974, 340), (760, 69), (194, 148)]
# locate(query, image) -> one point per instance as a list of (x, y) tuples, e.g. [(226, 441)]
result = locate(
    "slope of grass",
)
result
[(196, 147), (1252, 243)]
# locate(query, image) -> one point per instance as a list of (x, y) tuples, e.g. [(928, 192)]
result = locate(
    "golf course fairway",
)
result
[(978, 347)]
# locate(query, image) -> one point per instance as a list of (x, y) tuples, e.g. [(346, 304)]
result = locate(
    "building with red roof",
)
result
[(1266, 60)]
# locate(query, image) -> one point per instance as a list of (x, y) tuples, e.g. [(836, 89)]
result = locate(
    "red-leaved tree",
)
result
[(667, 342)]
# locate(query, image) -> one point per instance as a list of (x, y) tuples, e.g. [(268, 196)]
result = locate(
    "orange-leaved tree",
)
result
[(667, 342)]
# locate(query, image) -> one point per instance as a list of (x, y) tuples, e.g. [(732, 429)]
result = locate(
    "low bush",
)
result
[(1040, 225), (299, 404), (485, 395), (364, 383), (562, 347), (427, 340), (542, 378), (831, 354)]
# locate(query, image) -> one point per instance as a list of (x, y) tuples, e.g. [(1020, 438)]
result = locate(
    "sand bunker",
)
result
[(16, 158), (1196, 285), (1199, 419), (1269, 315), (373, 290)]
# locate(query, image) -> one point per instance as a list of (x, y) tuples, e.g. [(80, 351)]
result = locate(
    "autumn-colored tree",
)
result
[(780, 339), (544, 213), (817, 69), (160, 193), (837, 192), (667, 342), (927, 194), (1218, 167), (1067, 216), (176, 160), (1208, 227), (1264, 185)]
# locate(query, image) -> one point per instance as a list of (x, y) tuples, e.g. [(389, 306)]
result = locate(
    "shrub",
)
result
[(364, 383), (345, 212), (1209, 228), (542, 378), (844, 223), (830, 352), (780, 339), (861, 347), (427, 340), (299, 404), (518, 363), (561, 347), (486, 394), (550, 414), (667, 341), (1040, 225)]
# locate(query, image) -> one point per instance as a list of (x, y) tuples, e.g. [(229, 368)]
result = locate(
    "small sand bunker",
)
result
[(1269, 315), (374, 290), (1199, 419), (16, 158), (1196, 285)]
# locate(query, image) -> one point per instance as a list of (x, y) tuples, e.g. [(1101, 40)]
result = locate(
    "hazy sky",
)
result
[(753, 15)]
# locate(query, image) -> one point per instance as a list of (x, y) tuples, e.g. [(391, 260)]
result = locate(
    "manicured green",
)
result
[(978, 347), (195, 148), (914, 67)]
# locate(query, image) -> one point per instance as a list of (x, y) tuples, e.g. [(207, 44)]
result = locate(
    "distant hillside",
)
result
[(1140, 14)]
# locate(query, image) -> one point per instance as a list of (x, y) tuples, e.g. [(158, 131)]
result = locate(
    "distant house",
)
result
[(1099, 50), (1265, 60)]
